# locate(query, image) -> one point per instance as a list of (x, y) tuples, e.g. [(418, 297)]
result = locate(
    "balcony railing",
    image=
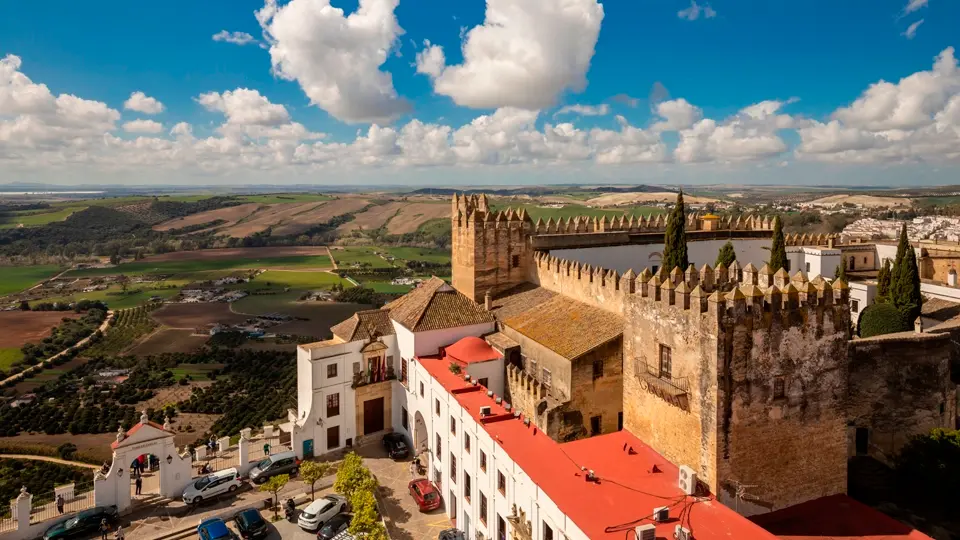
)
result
[(673, 390), (373, 376)]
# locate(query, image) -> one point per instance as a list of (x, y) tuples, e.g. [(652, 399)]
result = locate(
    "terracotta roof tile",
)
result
[(364, 325), (435, 305), (519, 300), (565, 326)]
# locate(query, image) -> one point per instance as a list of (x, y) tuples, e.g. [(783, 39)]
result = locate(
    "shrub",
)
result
[(879, 319), (928, 467)]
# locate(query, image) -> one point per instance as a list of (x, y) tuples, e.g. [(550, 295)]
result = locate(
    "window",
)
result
[(864, 260), (547, 532), (483, 461), (439, 445), (453, 426), (655, 268), (331, 371), (501, 483), (855, 304), (516, 261), (333, 437), (779, 388), (404, 418), (533, 367), (597, 369), (333, 405), (421, 389), (666, 362), (466, 486), (808, 267), (483, 508), (484, 382), (403, 370), (620, 421), (501, 528), (438, 479), (466, 442), (788, 265), (453, 468), (436, 406), (595, 425), (547, 377)]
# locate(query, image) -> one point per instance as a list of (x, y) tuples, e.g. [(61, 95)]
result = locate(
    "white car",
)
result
[(319, 511), (212, 485)]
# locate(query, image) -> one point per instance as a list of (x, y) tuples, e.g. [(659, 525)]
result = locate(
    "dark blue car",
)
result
[(215, 529), (251, 524)]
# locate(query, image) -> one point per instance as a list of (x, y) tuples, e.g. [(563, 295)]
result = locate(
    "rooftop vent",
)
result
[(506, 407), (526, 422), (485, 411), (489, 393), (682, 533), (499, 401), (646, 532), (688, 480), (661, 514), (466, 378)]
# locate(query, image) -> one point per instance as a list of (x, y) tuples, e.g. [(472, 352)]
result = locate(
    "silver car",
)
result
[(319, 511)]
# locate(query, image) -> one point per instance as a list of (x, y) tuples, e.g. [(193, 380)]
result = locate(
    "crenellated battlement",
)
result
[(650, 224), (708, 289), (811, 239), (522, 382)]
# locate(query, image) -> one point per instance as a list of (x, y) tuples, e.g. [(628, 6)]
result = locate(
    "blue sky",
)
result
[(690, 82)]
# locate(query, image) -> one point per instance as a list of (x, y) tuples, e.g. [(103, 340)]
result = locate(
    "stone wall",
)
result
[(591, 285), (900, 386), (602, 396), (545, 358)]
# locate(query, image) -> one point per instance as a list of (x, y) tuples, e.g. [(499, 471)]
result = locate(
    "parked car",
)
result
[(211, 485), (425, 494), (279, 463), (452, 534), (82, 525), (215, 529), (251, 524), (334, 526), (317, 513), (396, 445)]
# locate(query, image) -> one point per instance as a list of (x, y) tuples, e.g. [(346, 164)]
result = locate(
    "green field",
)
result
[(359, 254), (297, 280), (9, 356), (113, 298), (34, 218), (368, 254), (17, 278), (441, 256), (183, 267), (197, 372), (277, 198)]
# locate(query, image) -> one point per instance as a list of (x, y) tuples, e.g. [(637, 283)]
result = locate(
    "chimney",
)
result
[(918, 325), (487, 301), (830, 243)]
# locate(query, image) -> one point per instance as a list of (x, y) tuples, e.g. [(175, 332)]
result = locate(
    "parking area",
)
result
[(404, 519)]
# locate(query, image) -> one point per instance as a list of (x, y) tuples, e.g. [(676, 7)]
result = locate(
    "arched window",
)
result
[(952, 278)]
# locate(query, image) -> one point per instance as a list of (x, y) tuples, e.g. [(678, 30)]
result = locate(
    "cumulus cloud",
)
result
[(140, 102), (693, 12), (524, 55), (585, 110), (245, 107), (911, 30), (237, 38), (918, 118), (336, 58), (677, 114), (143, 126)]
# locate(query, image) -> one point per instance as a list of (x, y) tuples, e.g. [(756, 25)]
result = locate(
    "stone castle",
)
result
[(749, 376)]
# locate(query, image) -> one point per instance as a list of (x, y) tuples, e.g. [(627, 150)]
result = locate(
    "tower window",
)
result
[(595, 425), (516, 261), (779, 388), (666, 362), (597, 369)]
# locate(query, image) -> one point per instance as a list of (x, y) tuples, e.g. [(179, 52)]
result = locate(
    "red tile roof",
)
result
[(836, 517), (471, 349), (627, 490), (136, 428)]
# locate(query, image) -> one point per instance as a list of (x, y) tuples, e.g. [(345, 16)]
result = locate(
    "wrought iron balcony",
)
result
[(673, 390)]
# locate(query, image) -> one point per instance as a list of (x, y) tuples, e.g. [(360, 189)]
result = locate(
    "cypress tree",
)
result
[(726, 255), (902, 246), (675, 239), (905, 288), (883, 282), (841, 272), (778, 250)]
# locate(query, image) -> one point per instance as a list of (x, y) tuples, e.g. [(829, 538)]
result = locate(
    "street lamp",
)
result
[(169, 459)]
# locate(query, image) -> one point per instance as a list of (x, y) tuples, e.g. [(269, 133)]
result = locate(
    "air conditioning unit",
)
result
[(661, 514), (485, 411), (682, 533), (688, 480), (646, 532)]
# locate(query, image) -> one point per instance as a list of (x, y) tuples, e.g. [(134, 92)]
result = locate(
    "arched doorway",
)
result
[(419, 434)]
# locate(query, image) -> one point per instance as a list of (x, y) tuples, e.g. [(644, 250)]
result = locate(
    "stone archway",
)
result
[(115, 486)]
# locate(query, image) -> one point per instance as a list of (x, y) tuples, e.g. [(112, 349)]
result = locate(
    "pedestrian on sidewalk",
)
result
[(266, 449), (104, 529), (119, 534), (139, 484), (60, 502)]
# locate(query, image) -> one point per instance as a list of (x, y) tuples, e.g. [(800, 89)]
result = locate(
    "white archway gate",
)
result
[(146, 437)]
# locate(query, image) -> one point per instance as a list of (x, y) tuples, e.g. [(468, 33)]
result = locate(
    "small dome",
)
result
[(472, 349)]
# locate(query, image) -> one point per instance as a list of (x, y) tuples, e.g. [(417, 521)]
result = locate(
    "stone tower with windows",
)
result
[(491, 250)]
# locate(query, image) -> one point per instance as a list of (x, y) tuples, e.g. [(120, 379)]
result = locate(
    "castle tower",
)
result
[(491, 250)]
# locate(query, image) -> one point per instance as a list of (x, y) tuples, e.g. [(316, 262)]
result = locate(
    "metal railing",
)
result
[(7, 523), (44, 506)]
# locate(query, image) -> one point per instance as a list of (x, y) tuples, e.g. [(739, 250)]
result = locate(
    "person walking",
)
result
[(104, 529), (266, 449), (139, 484), (60, 502), (119, 534)]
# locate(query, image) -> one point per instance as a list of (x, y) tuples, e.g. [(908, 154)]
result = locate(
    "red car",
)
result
[(426, 495)]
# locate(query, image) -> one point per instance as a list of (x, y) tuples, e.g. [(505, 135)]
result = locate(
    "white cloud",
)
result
[(911, 30), (430, 61), (751, 134), (914, 5), (245, 107), (916, 119), (625, 100), (140, 102), (335, 58), (524, 55), (585, 110), (693, 12), (237, 38), (143, 126), (677, 114)]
